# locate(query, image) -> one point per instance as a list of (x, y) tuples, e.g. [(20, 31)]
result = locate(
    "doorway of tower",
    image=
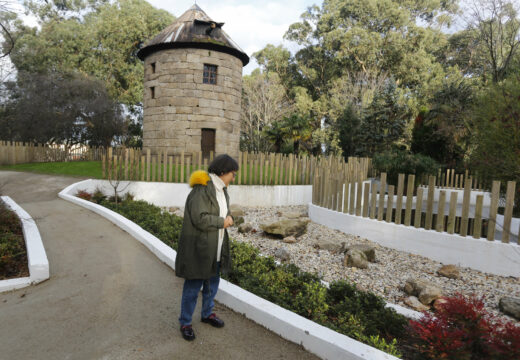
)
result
[(207, 142)]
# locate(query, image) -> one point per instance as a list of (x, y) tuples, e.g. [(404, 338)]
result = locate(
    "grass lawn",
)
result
[(91, 169)]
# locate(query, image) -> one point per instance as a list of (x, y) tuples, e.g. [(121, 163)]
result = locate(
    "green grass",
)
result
[(90, 169)]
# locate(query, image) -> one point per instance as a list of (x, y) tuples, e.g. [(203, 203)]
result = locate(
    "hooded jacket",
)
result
[(198, 242)]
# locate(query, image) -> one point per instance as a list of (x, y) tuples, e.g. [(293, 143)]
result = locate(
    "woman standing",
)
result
[(203, 251)]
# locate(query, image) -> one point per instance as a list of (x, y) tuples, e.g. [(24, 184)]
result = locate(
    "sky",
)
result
[(252, 24)]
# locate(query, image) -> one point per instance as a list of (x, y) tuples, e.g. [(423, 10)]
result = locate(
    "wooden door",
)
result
[(207, 143)]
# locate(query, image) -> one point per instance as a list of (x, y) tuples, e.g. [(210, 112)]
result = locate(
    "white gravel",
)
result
[(386, 277)]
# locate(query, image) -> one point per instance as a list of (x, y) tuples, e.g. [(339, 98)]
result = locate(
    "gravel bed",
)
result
[(386, 277)]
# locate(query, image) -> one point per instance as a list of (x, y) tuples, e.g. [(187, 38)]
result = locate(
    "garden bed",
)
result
[(13, 253)]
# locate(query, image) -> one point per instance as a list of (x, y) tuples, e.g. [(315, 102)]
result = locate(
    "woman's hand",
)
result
[(228, 222)]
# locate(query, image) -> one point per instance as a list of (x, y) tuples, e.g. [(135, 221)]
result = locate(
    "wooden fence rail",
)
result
[(432, 208), (254, 168)]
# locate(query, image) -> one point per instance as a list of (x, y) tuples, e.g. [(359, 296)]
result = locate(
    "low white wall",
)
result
[(175, 194), (36, 255), (488, 256), (323, 342)]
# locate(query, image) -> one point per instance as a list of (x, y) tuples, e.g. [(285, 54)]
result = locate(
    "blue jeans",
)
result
[(190, 292)]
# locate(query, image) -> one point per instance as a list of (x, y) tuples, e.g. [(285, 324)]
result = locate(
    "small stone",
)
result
[(415, 304), (172, 209), (282, 254), (245, 228), (449, 271), (425, 291), (236, 211), (368, 250), (289, 240), (355, 258), (510, 306), (429, 294)]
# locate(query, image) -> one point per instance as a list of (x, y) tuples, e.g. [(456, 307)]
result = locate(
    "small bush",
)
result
[(98, 196), (85, 195), (402, 162), (463, 329)]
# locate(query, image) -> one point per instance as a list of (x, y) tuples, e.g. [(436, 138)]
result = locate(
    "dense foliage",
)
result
[(462, 329)]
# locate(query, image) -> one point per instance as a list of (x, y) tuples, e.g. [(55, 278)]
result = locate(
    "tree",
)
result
[(497, 26), (98, 38), (61, 109), (264, 102)]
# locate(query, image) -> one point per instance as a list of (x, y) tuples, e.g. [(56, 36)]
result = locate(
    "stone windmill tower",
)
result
[(192, 88)]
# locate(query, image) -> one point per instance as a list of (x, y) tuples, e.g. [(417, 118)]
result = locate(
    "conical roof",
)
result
[(194, 29)]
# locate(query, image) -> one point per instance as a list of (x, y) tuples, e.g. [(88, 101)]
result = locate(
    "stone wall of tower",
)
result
[(183, 105)]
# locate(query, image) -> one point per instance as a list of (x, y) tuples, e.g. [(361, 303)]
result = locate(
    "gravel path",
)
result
[(386, 277)]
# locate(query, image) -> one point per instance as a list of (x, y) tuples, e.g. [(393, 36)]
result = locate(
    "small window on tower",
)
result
[(210, 74), (153, 68), (152, 92)]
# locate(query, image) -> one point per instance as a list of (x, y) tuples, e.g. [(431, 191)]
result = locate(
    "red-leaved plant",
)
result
[(85, 195), (462, 329)]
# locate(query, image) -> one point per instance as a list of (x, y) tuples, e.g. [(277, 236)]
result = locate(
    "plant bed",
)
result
[(13, 253), (341, 307)]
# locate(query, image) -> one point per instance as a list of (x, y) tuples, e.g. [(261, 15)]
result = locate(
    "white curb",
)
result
[(36, 255), (323, 342)]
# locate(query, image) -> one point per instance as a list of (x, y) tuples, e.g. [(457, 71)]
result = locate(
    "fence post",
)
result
[(366, 193), (429, 205), (373, 199), (399, 203), (439, 225), (409, 200), (477, 226), (465, 208), (493, 207), (508, 212), (418, 207), (390, 203), (382, 190)]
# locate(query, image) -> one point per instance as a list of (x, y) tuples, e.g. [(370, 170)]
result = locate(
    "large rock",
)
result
[(326, 243), (282, 254), (238, 220), (510, 306), (449, 271), (286, 227), (236, 211), (356, 258), (415, 304), (368, 250), (425, 291), (290, 214), (245, 228)]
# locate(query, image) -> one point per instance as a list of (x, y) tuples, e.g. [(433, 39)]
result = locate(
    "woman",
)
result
[(203, 250)]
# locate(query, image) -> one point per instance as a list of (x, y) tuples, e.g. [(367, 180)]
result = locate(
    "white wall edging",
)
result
[(38, 263), (488, 256), (324, 342)]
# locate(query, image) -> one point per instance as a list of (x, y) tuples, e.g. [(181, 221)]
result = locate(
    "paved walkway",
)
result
[(108, 297)]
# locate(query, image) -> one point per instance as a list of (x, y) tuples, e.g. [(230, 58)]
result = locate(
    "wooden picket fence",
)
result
[(416, 207), (450, 179), (254, 168), (12, 153)]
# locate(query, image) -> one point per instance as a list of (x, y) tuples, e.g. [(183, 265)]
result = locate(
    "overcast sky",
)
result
[(252, 24)]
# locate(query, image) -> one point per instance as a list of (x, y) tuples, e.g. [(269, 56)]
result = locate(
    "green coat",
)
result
[(198, 242)]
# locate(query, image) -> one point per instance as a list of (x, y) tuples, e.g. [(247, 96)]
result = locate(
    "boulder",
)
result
[(415, 304), (449, 271), (245, 228), (437, 304), (368, 250), (355, 258), (286, 227), (238, 220), (236, 210), (282, 254), (289, 240), (510, 306), (290, 214), (425, 291)]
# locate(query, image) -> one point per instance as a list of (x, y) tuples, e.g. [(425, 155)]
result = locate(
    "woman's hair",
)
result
[(222, 164)]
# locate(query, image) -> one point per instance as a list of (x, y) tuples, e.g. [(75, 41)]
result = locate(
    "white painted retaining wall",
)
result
[(175, 194), (324, 342), (488, 256), (36, 255)]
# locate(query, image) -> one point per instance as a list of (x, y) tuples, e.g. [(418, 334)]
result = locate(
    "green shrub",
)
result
[(98, 196), (402, 162)]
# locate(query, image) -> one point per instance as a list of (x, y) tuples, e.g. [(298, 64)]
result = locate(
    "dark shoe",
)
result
[(187, 333), (213, 320)]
